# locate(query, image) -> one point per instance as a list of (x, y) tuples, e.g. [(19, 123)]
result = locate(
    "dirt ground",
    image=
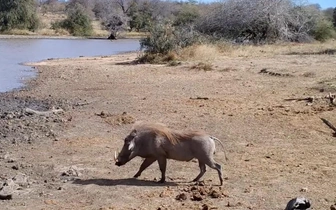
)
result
[(277, 149)]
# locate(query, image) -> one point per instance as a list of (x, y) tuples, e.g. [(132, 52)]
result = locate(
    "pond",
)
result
[(14, 52)]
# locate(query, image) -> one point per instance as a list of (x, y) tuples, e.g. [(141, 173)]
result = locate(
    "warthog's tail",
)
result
[(219, 141)]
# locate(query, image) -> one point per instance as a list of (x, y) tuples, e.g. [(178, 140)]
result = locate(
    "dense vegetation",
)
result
[(172, 25), (18, 14)]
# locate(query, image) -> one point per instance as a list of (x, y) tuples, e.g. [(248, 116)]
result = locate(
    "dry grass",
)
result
[(210, 53), (97, 29), (205, 53), (133, 35), (48, 18), (203, 66), (19, 32)]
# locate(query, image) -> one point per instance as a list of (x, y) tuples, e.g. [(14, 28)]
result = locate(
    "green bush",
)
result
[(186, 15), (164, 38), (323, 30), (19, 14), (78, 23)]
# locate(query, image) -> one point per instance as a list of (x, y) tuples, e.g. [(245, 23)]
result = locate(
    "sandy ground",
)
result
[(277, 149)]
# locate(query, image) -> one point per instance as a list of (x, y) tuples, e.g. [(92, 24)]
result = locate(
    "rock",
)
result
[(15, 167), (193, 188), (200, 183), (70, 174), (72, 171), (214, 194), (333, 207), (196, 196), (202, 191), (22, 180), (181, 197), (8, 188), (205, 207), (304, 189)]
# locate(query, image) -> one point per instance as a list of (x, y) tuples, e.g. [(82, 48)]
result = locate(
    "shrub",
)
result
[(19, 14), (164, 38), (78, 23), (260, 21), (323, 30)]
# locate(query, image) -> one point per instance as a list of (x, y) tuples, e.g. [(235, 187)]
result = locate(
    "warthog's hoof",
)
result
[(162, 181)]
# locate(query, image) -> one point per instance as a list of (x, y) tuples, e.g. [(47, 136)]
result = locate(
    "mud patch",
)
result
[(16, 125)]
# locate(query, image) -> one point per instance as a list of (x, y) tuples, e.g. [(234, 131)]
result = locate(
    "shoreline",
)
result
[(7, 36)]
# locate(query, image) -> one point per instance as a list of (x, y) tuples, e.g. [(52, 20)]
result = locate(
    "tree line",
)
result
[(180, 23)]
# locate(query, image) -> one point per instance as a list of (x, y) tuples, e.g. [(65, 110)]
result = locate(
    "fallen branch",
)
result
[(199, 98), (43, 113), (329, 124), (310, 99)]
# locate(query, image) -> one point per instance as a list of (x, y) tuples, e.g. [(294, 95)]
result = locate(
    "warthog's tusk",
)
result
[(115, 156)]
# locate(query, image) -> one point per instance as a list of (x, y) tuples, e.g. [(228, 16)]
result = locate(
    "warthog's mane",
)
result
[(171, 135)]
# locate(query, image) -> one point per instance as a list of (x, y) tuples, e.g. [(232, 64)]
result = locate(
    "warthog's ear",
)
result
[(131, 145)]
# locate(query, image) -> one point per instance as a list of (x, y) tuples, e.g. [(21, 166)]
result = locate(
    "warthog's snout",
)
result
[(118, 164)]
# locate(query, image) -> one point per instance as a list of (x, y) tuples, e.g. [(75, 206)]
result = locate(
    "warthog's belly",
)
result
[(180, 156)]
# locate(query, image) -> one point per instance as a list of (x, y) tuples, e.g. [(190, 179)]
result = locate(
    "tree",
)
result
[(329, 13), (140, 16), (334, 17), (78, 23), (261, 21), (18, 14), (53, 6), (112, 16), (187, 14)]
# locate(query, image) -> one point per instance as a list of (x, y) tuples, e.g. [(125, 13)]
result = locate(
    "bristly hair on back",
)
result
[(162, 130)]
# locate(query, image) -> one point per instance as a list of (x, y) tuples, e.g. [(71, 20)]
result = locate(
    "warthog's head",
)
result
[(127, 152)]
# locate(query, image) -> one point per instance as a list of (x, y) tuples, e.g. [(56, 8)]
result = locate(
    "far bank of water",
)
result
[(14, 52)]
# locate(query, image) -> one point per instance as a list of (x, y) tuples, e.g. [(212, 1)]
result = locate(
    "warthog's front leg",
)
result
[(162, 164), (145, 164)]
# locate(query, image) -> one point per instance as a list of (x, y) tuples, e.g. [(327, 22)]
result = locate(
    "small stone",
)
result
[(214, 194), (333, 207), (181, 197), (205, 207), (304, 189), (193, 188), (196, 197), (22, 180), (200, 183), (15, 167)]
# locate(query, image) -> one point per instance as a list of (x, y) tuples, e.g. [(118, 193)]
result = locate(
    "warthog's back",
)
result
[(190, 145)]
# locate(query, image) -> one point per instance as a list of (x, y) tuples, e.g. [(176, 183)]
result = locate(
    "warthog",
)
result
[(156, 142)]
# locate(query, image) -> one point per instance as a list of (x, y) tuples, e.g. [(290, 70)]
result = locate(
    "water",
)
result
[(14, 52)]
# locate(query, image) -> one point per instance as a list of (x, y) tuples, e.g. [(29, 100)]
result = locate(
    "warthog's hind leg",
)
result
[(162, 164), (202, 171), (217, 167), (147, 162)]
